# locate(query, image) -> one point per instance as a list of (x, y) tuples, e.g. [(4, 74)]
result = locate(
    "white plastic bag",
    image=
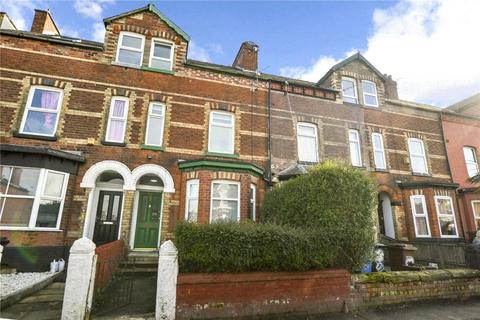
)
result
[(54, 266), (61, 265)]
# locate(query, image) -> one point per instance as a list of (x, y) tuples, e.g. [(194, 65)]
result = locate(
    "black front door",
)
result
[(108, 216)]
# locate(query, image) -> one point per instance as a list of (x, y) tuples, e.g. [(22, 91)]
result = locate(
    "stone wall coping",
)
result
[(412, 276)]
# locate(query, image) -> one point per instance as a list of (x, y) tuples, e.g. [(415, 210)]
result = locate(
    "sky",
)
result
[(430, 47)]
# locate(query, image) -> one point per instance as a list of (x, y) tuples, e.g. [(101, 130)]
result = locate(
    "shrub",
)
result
[(335, 200), (245, 247)]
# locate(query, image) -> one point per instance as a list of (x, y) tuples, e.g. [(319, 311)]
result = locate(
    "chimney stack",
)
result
[(391, 91), (43, 23), (247, 57)]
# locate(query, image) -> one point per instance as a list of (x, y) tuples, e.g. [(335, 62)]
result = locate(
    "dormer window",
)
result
[(130, 49), (369, 93), (349, 90), (161, 54)]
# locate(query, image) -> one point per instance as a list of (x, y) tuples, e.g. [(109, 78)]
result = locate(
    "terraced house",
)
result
[(401, 142)]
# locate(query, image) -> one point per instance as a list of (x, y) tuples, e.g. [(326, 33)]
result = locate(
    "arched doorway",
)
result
[(385, 215), (147, 212)]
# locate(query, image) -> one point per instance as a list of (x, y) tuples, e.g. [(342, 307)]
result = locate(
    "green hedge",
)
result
[(338, 201), (246, 247)]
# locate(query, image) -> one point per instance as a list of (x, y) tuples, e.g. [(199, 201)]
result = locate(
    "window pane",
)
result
[(156, 109), (348, 88), (224, 210), (192, 215), (418, 206), (354, 154), (106, 200), (118, 108), (379, 161), (307, 149), (221, 118), (116, 205), (447, 226), (45, 99), (115, 132), (353, 136), (351, 100), (24, 181), (40, 122), (476, 209), (469, 154), (221, 139), (306, 130), (16, 212), (54, 184), (368, 87), (48, 214), (155, 131), (130, 57), (370, 100), (444, 206), (418, 165), (4, 176), (416, 147), (162, 50), (472, 169), (377, 141), (225, 190), (132, 42), (193, 190), (160, 64), (422, 229)]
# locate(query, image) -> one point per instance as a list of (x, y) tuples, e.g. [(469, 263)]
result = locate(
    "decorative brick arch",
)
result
[(90, 177), (157, 170)]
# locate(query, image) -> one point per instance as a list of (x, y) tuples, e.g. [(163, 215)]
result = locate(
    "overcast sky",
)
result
[(431, 48)]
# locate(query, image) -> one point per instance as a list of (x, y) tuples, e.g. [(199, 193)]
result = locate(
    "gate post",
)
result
[(77, 300), (167, 282)]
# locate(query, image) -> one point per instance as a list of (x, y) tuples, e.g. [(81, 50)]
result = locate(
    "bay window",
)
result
[(369, 90), (130, 49), (191, 206), (355, 151), (417, 156), (378, 151), (349, 90), (307, 142), (42, 111), (31, 198), (117, 120), (161, 55), (221, 132), (446, 216), (420, 216), (225, 201), (470, 161), (155, 124)]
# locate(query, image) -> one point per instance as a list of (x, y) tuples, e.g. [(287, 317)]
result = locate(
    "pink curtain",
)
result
[(118, 108), (49, 101), (116, 125)]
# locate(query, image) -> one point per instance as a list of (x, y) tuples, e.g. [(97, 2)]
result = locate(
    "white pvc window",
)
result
[(155, 124), (117, 120), (42, 111), (446, 217), (476, 213), (370, 97), (349, 90), (307, 142), (420, 216), (355, 151), (161, 54), (221, 132), (31, 198), (417, 156), (191, 207), (378, 151), (225, 201), (130, 48), (252, 203), (470, 161)]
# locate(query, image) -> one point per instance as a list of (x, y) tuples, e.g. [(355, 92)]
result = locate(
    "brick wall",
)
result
[(204, 296)]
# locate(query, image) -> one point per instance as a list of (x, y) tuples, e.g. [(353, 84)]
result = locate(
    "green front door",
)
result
[(148, 219)]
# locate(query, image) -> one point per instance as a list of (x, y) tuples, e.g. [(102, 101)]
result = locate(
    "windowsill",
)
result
[(154, 148), (30, 229), (308, 163), (224, 155), (360, 167), (421, 174), (17, 134), (126, 65), (359, 105), (158, 70), (381, 170), (113, 144)]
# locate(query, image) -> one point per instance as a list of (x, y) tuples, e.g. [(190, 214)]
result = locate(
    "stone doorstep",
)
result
[(25, 292)]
